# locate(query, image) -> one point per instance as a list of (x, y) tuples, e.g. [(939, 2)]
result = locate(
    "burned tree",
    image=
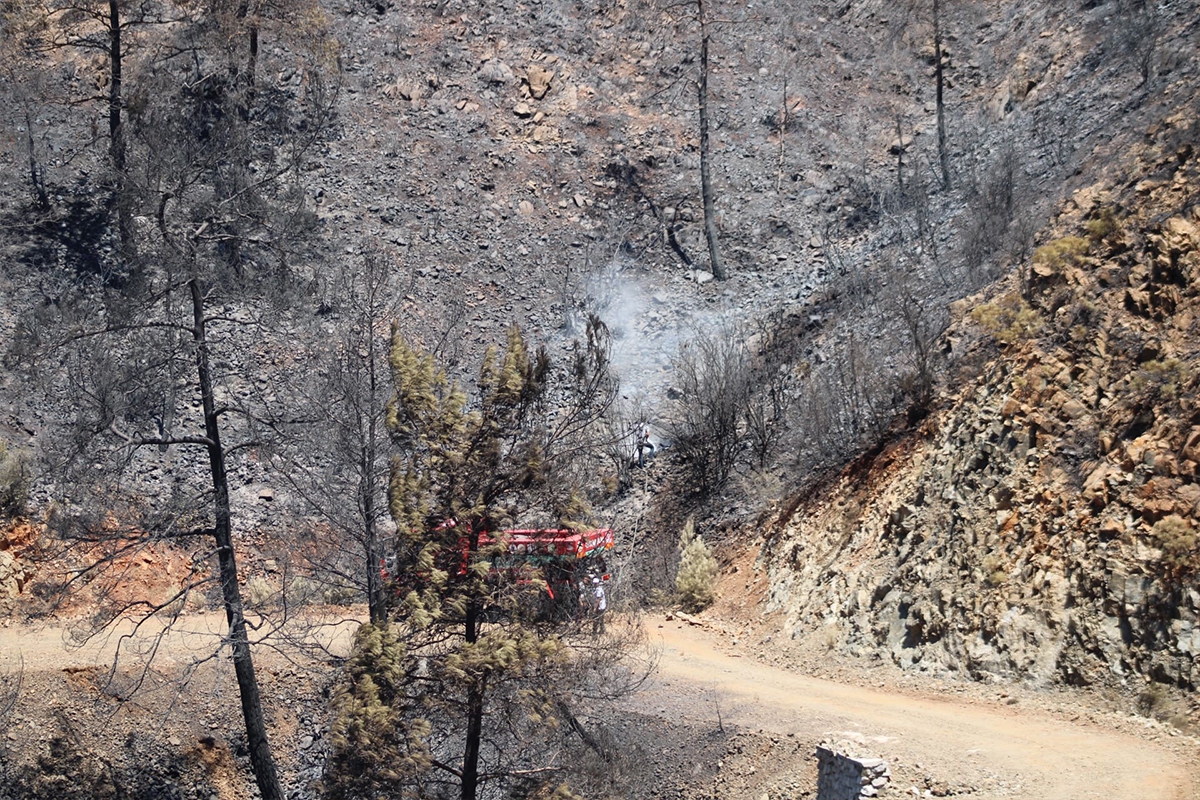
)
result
[(706, 190), (334, 449), (714, 384), (158, 373), (939, 79)]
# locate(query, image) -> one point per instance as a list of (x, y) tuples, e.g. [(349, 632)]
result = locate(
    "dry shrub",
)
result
[(1153, 700), (259, 591), (1165, 379), (174, 605), (14, 481), (1008, 319), (1060, 253), (827, 638), (342, 595), (302, 591), (993, 570), (991, 206), (659, 600), (1176, 537), (846, 401), (1102, 226), (713, 378)]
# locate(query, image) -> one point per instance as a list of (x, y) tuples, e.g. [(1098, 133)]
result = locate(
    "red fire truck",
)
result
[(565, 559)]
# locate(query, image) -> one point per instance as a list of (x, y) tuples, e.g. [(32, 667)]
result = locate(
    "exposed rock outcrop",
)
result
[(16, 566), (1042, 523)]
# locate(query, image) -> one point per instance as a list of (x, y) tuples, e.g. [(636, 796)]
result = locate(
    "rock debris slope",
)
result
[(1042, 523)]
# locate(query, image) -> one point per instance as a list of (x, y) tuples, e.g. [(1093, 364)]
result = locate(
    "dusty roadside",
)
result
[(724, 724), (948, 745)]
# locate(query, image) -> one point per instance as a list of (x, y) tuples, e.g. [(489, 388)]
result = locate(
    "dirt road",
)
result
[(981, 749), (191, 638), (973, 748)]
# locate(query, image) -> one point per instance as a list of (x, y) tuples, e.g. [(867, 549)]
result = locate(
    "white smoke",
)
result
[(648, 327)]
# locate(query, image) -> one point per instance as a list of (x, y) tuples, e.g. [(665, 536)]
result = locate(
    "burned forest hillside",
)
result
[(368, 369)]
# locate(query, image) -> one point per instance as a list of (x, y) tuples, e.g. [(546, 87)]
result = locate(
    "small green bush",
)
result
[(1176, 537), (259, 591), (694, 582), (1008, 319), (1102, 226), (1061, 252), (14, 481)]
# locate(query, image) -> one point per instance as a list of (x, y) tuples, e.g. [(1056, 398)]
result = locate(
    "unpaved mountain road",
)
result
[(975, 748), (191, 638), (980, 749)]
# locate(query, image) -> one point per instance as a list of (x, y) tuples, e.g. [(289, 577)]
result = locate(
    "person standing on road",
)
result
[(601, 605)]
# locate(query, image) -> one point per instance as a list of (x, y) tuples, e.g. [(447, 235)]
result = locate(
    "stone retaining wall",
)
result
[(842, 777)]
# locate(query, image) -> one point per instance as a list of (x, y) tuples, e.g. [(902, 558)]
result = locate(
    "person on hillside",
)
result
[(645, 448)]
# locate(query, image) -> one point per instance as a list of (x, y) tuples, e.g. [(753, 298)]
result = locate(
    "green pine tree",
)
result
[(694, 582), (466, 466), (375, 749)]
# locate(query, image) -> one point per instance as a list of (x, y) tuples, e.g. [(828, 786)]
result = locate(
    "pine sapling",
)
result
[(694, 582)]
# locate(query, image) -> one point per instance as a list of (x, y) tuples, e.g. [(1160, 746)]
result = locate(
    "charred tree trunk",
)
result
[(939, 80), (470, 773), (706, 192), (116, 133), (252, 59), (375, 598), (243, 15), (116, 143), (35, 172), (475, 695), (261, 759)]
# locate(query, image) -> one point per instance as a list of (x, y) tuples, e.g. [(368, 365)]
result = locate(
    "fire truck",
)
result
[(566, 560)]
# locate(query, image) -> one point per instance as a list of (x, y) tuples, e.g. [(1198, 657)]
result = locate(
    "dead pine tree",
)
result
[(939, 79), (919, 13), (112, 28), (23, 89), (261, 759), (242, 23), (113, 358), (333, 444), (158, 378), (782, 125), (706, 191), (698, 11)]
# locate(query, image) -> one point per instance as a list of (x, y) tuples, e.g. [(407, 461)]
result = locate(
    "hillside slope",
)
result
[(1041, 524)]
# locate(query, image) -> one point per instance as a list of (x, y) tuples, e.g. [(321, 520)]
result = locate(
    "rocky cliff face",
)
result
[(16, 564), (1041, 523)]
